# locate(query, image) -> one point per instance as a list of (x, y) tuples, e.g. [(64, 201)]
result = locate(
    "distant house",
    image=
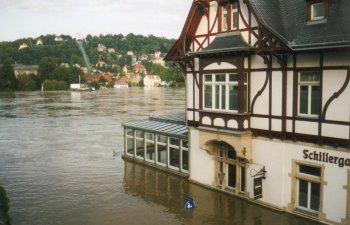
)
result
[(65, 65), (23, 46), (102, 79), (111, 50), (152, 81), (101, 48), (131, 53), (125, 69), (143, 57), (21, 69), (58, 38), (121, 83), (139, 68), (84, 69), (101, 63), (39, 42), (157, 59), (134, 79)]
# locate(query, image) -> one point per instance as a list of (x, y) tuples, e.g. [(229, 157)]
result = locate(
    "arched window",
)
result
[(230, 168)]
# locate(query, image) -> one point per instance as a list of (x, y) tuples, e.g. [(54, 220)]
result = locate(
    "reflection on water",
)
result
[(213, 207), (60, 163)]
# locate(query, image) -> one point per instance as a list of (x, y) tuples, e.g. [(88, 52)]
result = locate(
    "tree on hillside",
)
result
[(8, 80), (46, 69)]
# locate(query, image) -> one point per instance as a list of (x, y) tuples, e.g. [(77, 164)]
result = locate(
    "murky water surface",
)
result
[(60, 163)]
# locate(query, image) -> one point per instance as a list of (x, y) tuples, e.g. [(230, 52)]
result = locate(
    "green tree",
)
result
[(54, 85), (4, 207), (26, 83), (46, 69), (7, 77)]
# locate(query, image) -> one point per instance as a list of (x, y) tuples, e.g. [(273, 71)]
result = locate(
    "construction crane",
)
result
[(85, 56)]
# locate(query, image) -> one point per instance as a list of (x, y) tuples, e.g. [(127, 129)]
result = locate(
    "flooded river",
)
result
[(60, 163)]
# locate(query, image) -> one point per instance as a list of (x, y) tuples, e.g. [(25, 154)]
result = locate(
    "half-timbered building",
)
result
[(268, 102)]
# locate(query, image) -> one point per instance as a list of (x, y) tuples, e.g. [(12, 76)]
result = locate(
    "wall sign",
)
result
[(257, 188), (326, 158)]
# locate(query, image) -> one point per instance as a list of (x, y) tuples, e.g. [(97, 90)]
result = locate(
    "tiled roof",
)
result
[(286, 19), (226, 42)]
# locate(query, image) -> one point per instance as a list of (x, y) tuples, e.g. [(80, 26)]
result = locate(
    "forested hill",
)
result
[(65, 49)]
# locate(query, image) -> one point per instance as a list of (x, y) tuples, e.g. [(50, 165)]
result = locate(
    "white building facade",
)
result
[(268, 102), (152, 81)]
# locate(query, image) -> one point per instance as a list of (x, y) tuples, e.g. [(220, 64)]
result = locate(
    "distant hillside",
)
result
[(65, 49)]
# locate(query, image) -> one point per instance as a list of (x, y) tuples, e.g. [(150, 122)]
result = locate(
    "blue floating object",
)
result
[(190, 203)]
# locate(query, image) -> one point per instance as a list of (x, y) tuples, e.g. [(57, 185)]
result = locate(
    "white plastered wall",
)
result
[(271, 155), (201, 163)]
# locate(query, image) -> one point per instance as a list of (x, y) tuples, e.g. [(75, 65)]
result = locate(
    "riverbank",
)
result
[(4, 208)]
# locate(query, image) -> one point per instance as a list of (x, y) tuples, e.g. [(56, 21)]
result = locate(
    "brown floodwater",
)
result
[(60, 163)]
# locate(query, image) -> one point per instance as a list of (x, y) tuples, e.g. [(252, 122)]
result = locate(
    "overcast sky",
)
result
[(32, 18)]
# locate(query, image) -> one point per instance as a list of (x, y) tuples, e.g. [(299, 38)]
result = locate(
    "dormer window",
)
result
[(317, 10), (229, 15)]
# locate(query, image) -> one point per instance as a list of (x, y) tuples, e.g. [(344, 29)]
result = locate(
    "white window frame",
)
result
[(219, 84), (309, 178), (133, 140), (182, 149), (312, 16), (154, 144), (224, 17), (166, 149), (135, 143), (233, 11), (310, 84), (177, 147), (238, 163)]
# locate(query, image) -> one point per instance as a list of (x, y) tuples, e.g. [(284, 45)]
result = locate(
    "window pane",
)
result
[(217, 97), (139, 148), (130, 145), (310, 76), (161, 138), (242, 178), (220, 77), (174, 141), (303, 190), (234, 77), (231, 153), (315, 196), (208, 96), (232, 175), (150, 150), (310, 170), (161, 154), (304, 95), (185, 160), (223, 97), (315, 100), (185, 143), (224, 17), (245, 98), (149, 136), (220, 153), (235, 19), (130, 132), (318, 10), (174, 157), (208, 77), (233, 97), (139, 133)]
